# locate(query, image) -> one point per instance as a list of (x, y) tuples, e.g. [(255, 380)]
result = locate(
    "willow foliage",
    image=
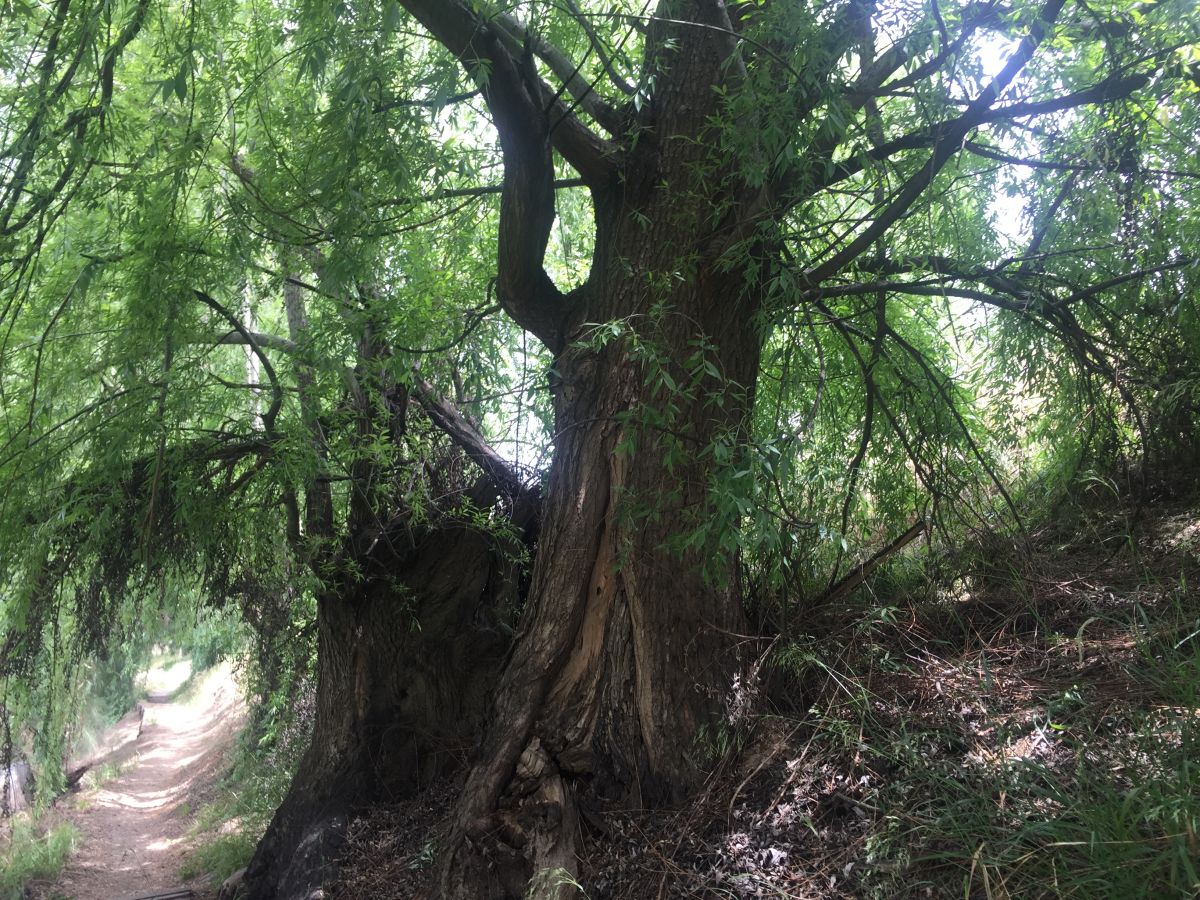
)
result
[(169, 171)]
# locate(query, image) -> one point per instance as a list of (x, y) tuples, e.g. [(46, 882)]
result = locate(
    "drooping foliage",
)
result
[(247, 248), (150, 439)]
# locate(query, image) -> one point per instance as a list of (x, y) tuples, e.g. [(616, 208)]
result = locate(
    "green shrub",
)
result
[(217, 635)]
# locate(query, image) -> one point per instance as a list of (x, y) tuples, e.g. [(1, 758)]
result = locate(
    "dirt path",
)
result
[(134, 829)]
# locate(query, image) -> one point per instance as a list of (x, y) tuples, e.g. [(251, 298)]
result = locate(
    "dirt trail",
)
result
[(134, 829)]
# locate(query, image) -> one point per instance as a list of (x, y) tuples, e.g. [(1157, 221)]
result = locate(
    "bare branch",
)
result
[(1054, 165), (445, 416), (512, 90), (424, 103), (268, 418)]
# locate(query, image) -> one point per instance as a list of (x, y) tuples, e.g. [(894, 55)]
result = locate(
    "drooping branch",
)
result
[(27, 146), (86, 554), (940, 381)]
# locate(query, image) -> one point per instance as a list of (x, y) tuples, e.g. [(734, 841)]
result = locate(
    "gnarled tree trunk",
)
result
[(407, 653), (628, 648), (628, 645)]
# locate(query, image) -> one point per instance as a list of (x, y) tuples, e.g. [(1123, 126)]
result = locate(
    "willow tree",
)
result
[(747, 158), (784, 201)]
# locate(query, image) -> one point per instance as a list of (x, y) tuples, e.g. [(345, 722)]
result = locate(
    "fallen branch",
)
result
[(74, 776), (860, 573)]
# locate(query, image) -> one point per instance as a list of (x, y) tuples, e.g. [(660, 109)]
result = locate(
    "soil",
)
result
[(135, 829)]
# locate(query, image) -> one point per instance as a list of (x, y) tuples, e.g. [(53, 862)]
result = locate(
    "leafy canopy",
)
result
[(230, 229)]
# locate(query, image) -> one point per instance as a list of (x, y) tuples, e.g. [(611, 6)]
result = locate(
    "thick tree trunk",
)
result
[(628, 648), (407, 653)]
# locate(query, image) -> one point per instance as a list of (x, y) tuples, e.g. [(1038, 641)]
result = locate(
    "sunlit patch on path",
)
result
[(134, 829)]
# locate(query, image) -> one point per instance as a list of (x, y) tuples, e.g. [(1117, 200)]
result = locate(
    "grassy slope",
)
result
[(1030, 730), (1025, 729), (28, 852)]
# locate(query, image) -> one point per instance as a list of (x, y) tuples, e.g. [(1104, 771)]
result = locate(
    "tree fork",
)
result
[(626, 650)]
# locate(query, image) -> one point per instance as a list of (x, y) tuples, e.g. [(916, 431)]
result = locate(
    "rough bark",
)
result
[(627, 651), (407, 652), (628, 648), (411, 622)]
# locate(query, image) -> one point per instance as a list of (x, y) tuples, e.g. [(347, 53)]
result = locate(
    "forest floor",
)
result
[(134, 817), (1017, 718)]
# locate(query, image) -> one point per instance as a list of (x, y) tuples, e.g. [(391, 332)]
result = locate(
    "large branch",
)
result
[(1016, 293), (455, 425), (851, 26), (517, 37), (1102, 165), (855, 23), (490, 48), (516, 97), (863, 570), (997, 279), (597, 45), (318, 495)]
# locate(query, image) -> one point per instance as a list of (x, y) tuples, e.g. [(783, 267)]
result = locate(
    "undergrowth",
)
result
[(1034, 734), (220, 857), (28, 853), (1117, 817), (238, 815)]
